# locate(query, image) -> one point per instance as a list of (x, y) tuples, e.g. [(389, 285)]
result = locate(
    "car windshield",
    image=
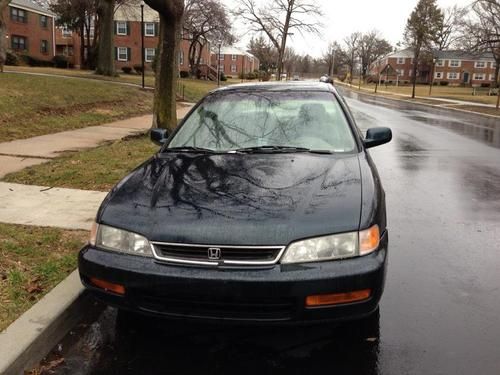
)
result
[(276, 120)]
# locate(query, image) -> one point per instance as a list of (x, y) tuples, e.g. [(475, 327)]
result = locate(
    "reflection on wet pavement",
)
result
[(153, 346)]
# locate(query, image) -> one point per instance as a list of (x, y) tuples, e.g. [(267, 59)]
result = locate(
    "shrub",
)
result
[(12, 59), (485, 84), (184, 74), (60, 61), (33, 61), (223, 77), (251, 76), (444, 83), (229, 77), (138, 68), (126, 69)]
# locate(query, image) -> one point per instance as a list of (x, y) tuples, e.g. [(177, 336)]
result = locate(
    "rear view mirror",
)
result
[(159, 136), (377, 137)]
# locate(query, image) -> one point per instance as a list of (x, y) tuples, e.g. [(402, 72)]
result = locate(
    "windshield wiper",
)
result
[(189, 149), (278, 149)]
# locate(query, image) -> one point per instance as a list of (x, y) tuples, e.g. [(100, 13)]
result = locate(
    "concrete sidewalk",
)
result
[(49, 207), (19, 154)]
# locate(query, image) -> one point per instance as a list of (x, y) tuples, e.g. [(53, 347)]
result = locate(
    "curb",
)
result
[(33, 335)]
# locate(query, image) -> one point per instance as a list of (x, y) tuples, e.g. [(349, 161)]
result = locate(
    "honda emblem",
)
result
[(214, 253)]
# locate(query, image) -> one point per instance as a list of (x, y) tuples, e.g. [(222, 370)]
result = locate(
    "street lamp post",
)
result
[(432, 75), (142, 41), (219, 43)]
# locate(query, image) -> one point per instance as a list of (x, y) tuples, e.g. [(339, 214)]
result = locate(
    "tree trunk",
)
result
[(82, 47), (414, 69), (166, 74), (105, 59), (3, 40)]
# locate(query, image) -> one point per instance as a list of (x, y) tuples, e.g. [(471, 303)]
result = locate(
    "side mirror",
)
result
[(159, 136), (377, 137)]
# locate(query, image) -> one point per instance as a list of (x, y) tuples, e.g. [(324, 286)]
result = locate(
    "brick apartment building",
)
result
[(127, 39), (233, 61), (454, 67), (30, 29)]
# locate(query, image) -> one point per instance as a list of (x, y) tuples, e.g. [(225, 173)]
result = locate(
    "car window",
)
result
[(234, 120)]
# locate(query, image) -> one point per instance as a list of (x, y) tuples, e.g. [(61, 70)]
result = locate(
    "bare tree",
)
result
[(290, 59), (449, 33), (78, 16), (279, 19), (352, 50), (3, 26), (371, 47), (421, 32), (481, 32), (330, 56), (204, 20), (164, 109)]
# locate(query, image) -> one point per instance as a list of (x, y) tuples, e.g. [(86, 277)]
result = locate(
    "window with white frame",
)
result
[(492, 77), (401, 60), (455, 63), (453, 75), (149, 54), (234, 57), (440, 63), (121, 28), (480, 64), (149, 29), (233, 68), (401, 72), (479, 76), (66, 33), (122, 53), (493, 65), (438, 75)]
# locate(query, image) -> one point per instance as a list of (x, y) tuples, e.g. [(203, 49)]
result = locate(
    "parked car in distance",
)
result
[(263, 206), (296, 77), (326, 79)]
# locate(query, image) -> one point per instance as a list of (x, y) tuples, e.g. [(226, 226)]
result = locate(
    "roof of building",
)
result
[(232, 50), (131, 11), (462, 55), (38, 6), (444, 55)]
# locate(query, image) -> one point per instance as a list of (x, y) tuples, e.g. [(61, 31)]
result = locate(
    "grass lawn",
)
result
[(36, 105), (96, 169), (194, 89), (32, 261), (444, 92)]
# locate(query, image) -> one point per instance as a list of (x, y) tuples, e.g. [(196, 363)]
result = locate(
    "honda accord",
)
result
[(264, 206)]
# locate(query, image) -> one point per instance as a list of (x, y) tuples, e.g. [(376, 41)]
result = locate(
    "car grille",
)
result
[(217, 255), (235, 308)]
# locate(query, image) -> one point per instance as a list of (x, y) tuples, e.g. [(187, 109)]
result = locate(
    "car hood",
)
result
[(237, 199)]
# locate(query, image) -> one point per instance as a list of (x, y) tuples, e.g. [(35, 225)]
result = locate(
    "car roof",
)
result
[(278, 86)]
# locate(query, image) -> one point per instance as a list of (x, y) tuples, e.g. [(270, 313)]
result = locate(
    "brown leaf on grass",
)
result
[(33, 287), (49, 367)]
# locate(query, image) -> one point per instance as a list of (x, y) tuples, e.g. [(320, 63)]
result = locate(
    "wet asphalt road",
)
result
[(440, 313)]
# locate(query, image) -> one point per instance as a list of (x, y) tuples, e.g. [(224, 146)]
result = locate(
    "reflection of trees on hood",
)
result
[(196, 181)]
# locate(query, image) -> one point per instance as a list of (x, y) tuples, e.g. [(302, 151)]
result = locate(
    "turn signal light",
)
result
[(337, 298), (369, 239), (107, 286)]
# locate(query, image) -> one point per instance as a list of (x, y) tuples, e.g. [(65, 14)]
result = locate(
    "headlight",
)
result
[(121, 240), (337, 246)]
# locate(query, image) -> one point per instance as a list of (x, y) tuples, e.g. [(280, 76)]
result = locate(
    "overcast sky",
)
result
[(343, 17)]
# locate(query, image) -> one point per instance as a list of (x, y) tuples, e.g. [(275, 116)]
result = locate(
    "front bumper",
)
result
[(275, 294)]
